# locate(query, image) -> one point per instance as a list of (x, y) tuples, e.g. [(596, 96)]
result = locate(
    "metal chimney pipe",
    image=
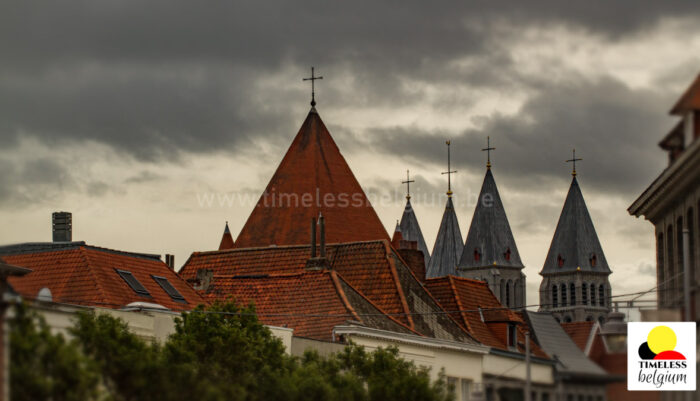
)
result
[(313, 237), (322, 233)]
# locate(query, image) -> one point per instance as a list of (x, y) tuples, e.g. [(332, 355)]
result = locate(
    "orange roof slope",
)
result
[(310, 302), (312, 178), (87, 275), (226, 239), (690, 99), (373, 268), (464, 297), (580, 332)]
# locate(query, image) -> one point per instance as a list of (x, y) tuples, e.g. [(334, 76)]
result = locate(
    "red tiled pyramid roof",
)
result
[(86, 275), (312, 178)]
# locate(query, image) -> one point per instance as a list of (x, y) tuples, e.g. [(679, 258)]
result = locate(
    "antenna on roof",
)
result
[(312, 79), (449, 172)]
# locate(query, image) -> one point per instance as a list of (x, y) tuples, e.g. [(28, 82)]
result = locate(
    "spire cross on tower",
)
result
[(449, 172), (408, 185), (488, 150), (313, 87), (573, 160)]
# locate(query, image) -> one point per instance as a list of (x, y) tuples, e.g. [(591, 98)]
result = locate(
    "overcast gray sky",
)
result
[(130, 113)]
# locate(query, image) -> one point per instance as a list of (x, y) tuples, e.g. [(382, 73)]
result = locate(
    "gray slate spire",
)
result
[(575, 243), (448, 245), (410, 230), (489, 238)]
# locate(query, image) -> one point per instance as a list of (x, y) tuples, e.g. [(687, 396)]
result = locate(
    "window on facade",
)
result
[(502, 298), (679, 252), (133, 282), (601, 295), (691, 236), (670, 280), (545, 396), (512, 335), (477, 255), (584, 293), (589, 318), (572, 294), (452, 382), (593, 260), (555, 300), (508, 292), (507, 254), (466, 389), (169, 289), (560, 261), (563, 295), (593, 294), (567, 319), (660, 262)]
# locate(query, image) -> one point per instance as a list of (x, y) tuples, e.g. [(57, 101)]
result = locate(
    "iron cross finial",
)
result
[(313, 86), (408, 185), (573, 160), (449, 172), (488, 150)]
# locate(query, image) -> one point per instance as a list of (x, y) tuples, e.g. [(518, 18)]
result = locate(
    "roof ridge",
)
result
[(343, 297), (397, 282), (461, 307), (96, 278), (292, 246)]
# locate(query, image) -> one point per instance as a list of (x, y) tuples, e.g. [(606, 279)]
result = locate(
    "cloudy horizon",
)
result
[(123, 113)]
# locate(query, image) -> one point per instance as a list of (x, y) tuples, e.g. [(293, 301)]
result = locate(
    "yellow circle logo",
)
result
[(661, 338)]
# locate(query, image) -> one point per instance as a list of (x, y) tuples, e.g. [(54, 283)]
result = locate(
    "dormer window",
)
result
[(507, 254), (593, 260), (560, 261), (477, 255), (512, 335)]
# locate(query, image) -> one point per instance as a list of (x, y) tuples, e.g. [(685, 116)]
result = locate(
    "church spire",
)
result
[(410, 229), (226, 239), (448, 244), (490, 241)]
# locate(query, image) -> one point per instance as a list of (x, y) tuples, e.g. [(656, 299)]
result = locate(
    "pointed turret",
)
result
[(410, 230), (575, 284), (226, 239), (575, 245), (313, 177), (448, 245), (490, 241)]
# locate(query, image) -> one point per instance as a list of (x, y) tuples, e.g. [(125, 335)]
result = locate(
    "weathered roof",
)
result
[(373, 268), (410, 230), (448, 245), (310, 302), (312, 178), (690, 100), (87, 275), (489, 238), (226, 239), (580, 332), (465, 297), (554, 341), (575, 243)]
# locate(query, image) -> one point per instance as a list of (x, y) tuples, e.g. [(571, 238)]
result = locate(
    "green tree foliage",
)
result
[(224, 353), (44, 366)]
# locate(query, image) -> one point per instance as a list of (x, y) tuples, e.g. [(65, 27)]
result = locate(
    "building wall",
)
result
[(508, 285), (585, 308)]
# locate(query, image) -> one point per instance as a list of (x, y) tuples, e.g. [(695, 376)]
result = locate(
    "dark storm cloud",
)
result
[(159, 77), (613, 127), (33, 181)]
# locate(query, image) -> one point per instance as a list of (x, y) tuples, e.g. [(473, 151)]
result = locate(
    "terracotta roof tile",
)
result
[(580, 332), (312, 178), (690, 100), (87, 275), (465, 297)]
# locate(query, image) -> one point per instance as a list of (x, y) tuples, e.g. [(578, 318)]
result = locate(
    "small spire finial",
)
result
[(449, 172), (573, 160), (408, 185), (313, 86), (488, 150)]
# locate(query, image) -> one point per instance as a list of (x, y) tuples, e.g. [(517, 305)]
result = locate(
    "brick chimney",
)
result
[(170, 261), (319, 262), (62, 226)]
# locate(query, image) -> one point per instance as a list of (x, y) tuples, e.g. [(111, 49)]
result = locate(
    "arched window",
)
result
[(601, 295), (572, 294), (670, 262), (560, 261), (503, 292), (507, 254), (660, 265), (509, 291), (593, 294), (563, 295), (584, 293), (593, 260), (555, 298)]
